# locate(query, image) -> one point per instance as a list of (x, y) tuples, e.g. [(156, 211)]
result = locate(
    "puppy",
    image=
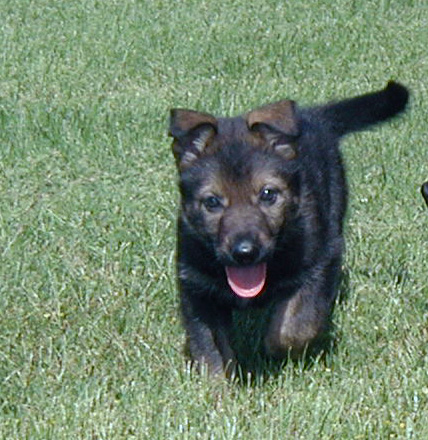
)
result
[(263, 198)]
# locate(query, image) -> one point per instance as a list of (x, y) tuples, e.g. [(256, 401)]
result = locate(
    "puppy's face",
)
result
[(238, 200), (237, 193)]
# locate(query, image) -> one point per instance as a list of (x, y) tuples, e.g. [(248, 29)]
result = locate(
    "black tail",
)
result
[(363, 111)]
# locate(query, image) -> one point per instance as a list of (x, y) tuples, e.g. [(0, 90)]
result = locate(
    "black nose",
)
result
[(245, 251)]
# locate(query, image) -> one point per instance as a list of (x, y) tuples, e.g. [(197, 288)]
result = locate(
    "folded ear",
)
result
[(192, 132), (277, 124)]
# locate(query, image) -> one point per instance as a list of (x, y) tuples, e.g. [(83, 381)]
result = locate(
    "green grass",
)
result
[(90, 334)]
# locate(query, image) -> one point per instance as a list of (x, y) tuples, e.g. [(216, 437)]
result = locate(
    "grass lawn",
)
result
[(90, 333)]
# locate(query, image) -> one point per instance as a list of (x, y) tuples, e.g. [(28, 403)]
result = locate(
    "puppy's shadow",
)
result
[(249, 330)]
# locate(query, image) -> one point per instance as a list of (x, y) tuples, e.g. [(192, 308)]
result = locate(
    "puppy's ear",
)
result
[(192, 132), (277, 124)]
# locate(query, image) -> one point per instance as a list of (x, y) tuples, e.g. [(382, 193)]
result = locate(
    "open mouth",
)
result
[(247, 281)]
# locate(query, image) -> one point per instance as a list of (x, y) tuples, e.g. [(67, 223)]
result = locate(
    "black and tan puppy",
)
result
[(263, 197)]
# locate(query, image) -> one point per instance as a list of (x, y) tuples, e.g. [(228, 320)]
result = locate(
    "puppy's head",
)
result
[(237, 184)]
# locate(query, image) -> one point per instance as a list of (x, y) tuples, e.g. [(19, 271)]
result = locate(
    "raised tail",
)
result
[(363, 111)]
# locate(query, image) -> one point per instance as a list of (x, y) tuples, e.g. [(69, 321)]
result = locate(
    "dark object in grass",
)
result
[(424, 191), (263, 198)]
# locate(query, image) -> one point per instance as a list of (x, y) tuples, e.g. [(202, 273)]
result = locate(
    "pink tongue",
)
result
[(247, 282)]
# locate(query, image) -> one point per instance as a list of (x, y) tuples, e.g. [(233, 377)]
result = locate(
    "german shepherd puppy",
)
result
[(263, 199)]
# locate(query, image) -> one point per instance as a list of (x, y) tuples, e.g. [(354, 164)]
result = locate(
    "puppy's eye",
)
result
[(268, 195), (212, 203)]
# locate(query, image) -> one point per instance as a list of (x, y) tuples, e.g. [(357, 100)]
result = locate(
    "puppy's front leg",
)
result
[(207, 328), (299, 320), (295, 324)]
